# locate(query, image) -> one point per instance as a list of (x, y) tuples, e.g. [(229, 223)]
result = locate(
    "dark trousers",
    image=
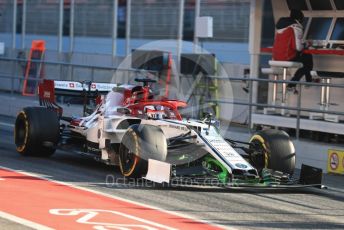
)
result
[(307, 61)]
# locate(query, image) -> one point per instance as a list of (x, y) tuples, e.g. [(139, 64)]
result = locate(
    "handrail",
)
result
[(298, 108), (276, 106), (77, 65), (279, 81)]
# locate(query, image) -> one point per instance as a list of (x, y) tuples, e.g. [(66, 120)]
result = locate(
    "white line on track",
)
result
[(6, 124), (118, 198), (23, 221)]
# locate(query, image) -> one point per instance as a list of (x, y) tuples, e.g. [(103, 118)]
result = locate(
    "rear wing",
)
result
[(49, 89), (73, 88)]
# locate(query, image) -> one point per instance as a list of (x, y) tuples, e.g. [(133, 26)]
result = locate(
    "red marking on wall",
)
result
[(63, 207), (34, 69)]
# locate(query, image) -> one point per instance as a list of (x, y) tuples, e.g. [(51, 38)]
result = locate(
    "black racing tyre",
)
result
[(36, 132), (140, 143), (278, 151)]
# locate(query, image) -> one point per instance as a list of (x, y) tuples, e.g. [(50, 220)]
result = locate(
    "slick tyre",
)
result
[(140, 143), (36, 132), (278, 152)]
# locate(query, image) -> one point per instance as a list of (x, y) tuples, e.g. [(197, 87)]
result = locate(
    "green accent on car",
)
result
[(217, 168)]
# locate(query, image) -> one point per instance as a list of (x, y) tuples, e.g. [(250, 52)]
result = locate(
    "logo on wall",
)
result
[(334, 161)]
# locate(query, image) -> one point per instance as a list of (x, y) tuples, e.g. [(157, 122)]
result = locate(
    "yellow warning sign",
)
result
[(335, 161)]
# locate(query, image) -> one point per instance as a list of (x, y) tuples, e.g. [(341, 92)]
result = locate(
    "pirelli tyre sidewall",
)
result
[(140, 143), (36, 131), (278, 151)]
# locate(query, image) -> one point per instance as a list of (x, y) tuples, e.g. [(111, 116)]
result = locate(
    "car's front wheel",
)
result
[(139, 144), (274, 151)]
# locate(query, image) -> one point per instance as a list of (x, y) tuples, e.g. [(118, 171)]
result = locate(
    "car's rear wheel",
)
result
[(36, 131), (274, 151), (140, 143)]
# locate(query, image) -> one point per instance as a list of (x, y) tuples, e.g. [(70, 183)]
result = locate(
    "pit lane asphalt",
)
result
[(6, 224), (233, 208)]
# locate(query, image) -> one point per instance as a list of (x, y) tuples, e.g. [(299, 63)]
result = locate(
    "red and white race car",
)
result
[(147, 137)]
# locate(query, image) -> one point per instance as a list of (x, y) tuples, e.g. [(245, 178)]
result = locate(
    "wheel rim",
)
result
[(259, 161), (128, 161)]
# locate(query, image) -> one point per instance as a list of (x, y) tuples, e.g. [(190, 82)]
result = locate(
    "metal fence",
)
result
[(113, 26)]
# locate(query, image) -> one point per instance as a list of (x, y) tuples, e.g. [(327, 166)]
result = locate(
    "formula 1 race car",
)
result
[(147, 137)]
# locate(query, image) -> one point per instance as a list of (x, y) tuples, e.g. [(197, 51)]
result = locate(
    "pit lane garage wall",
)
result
[(90, 41)]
